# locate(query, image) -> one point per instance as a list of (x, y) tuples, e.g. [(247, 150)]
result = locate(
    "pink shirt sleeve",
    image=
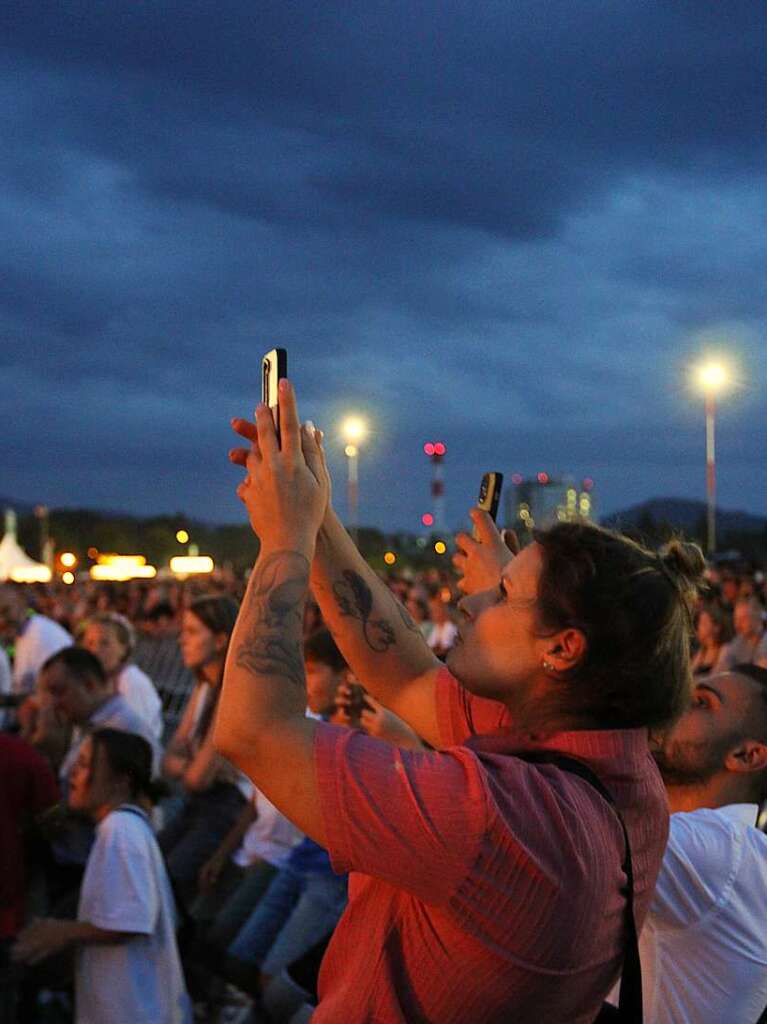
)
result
[(395, 814), (460, 714)]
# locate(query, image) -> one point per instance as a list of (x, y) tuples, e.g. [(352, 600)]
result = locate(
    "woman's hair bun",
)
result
[(685, 562)]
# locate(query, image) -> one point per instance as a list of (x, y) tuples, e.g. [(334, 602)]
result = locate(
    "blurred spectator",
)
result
[(158, 654), (444, 631), (34, 637), (27, 787), (127, 967), (713, 631), (112, 639), (419, 613), (704, 944), (749, 644), (214, 791)]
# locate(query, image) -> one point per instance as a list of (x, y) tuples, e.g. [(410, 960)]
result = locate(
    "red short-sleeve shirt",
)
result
[(483, 888), (27, 787)]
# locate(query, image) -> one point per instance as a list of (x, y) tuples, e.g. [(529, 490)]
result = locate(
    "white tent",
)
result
[(15, 563)]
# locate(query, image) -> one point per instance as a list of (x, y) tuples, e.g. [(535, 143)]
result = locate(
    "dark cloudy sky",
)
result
[(507, 225)]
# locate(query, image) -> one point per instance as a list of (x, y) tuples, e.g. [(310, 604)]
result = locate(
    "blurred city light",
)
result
[(93, 553), (439, 448), (543, 478), (31, 574), (68, 578), (182, 536), (427, 519), (428, 448), (390, 558), (119, 571), (351, 451), (68, 559), (440, 547), (190, 565), (517, 478)]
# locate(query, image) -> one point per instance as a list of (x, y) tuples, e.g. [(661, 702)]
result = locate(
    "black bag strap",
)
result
[(630, 1003)]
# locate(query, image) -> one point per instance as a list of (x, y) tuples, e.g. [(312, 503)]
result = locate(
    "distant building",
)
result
[(543, 500)]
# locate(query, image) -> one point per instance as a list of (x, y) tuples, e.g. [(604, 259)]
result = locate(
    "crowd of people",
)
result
[(322, 792)]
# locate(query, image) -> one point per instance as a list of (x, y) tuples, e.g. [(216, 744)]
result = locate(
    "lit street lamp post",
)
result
[(712, 378), (354, 430)]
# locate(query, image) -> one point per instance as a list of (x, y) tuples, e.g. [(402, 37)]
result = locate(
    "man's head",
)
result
[(585, 626), (747, 619), (719, 745), (13, 611), (325, 671), (76, 683)]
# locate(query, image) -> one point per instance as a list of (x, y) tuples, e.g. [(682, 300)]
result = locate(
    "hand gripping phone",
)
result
[(489, 496), (274, 366)]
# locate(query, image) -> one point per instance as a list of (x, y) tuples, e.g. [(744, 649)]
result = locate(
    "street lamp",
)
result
[(712, 378), (354, 430)]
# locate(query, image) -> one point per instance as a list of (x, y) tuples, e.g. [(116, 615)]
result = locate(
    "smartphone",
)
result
[(274, 366), (489, 496)]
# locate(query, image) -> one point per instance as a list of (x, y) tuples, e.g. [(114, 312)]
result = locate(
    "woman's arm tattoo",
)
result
[(355, 601), (274, 605)]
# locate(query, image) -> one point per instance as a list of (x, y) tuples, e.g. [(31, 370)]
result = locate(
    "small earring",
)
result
[(547, 666)]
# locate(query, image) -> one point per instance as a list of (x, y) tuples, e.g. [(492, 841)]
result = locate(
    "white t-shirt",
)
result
[(39, 640), (126, 888), (141, 694), (704, 943), (271, 837), (442, 636)]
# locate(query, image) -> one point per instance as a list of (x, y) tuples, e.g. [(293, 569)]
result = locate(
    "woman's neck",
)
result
[(211, 672)]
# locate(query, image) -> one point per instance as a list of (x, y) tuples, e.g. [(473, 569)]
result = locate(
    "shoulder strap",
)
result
[(630, 1004)]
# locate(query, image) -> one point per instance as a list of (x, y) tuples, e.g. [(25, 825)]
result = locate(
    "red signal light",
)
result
[(543, 478), (439, 448), (428, 448), (427, 519), (588, 483)]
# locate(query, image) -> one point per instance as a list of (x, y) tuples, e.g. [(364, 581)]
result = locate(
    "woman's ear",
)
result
[(565, 649)]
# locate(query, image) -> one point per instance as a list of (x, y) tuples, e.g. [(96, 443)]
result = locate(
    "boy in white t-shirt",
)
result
[(128, 968)]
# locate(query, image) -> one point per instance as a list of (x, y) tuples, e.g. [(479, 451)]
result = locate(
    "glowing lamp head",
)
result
[(354, 430), (68, 559), (390, 558), (68, 578), (351, 451), (182, 536), (440, 547), (427, 519), (712, 378)]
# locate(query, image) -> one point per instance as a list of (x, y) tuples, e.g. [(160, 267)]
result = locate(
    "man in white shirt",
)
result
[(704, 944), (36, 638)]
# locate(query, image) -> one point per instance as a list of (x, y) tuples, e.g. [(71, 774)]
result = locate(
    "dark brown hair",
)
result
[(634, 607), (216, 611), (129, 755)]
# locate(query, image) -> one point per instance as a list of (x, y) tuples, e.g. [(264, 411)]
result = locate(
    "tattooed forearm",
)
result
[(407, 618), (355, 600), (273, 656), (274, 608)]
